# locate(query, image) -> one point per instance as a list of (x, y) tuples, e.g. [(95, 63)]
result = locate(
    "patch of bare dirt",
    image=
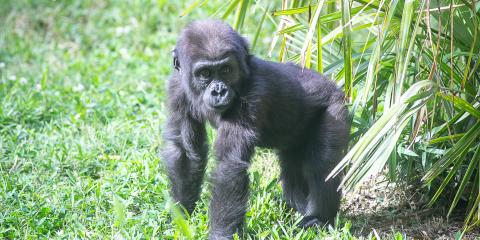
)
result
[(384, 208)]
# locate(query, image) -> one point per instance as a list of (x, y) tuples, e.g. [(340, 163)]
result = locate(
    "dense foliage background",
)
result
[(82, 105)]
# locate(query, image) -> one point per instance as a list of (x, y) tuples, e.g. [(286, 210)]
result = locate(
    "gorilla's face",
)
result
[(216, 80), (212, 66)]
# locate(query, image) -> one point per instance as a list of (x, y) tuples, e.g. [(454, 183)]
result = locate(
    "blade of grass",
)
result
[(259, 28), (473, 203), (291, 29), (240, 14), (472, 48), (193, 6), (446, 138), (461, 104), (466, 178), (347, 48), (283, 48), (373, 66), (305, 54), (451, 172), (230, 8), (319, 47), (178, 217), (293, 11), (331, 8), (461, 146), (279, 27), (402, 49)]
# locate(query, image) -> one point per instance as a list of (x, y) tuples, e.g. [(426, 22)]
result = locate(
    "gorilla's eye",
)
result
[(205, 73), (226, 69)]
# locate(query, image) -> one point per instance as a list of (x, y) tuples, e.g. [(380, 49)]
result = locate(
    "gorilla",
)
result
[(250, 102)]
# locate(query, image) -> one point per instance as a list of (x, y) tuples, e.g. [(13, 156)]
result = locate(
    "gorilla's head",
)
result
[(212, 60)]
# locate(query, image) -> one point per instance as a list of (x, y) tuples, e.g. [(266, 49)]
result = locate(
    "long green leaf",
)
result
[(307, 44), (319, 47), (454, 153), (347, 48), (230, 8), (293, 11), (193, 6), (259, 28), (461, 104), (466, 178), (375, 58), (240, 14)]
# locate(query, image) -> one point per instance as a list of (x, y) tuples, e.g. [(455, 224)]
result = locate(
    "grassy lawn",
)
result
[(82, 90)]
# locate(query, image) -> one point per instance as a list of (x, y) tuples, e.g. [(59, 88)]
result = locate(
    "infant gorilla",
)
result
[(251, 102)]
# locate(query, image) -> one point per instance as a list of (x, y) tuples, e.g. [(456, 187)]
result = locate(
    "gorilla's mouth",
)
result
[(221, 108), (222, 105)]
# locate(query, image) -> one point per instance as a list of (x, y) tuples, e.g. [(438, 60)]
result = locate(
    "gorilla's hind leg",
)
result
[(304, 186), (323, 200), (295, 189), (323, 150)]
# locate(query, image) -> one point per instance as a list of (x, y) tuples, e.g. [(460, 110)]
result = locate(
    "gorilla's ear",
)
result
[(176, 63)]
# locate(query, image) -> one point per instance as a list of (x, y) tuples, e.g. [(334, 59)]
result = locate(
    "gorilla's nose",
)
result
[(219, 90)]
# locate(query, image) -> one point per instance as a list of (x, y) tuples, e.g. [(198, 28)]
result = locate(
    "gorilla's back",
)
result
[(290, 98)]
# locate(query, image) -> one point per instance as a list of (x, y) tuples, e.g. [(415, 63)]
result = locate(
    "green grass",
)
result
[(82, 90)]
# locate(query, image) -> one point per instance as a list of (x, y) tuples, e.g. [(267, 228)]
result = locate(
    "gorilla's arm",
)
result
[(185, 153), (234, 148)]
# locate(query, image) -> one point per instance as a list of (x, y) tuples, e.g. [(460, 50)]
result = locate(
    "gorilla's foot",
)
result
[(311, 221)]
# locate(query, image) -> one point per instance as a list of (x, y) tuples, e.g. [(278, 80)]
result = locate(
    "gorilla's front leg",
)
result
[(234, 148), (185, 154)]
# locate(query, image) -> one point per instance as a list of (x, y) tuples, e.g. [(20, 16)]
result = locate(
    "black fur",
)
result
[(295, 111)]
